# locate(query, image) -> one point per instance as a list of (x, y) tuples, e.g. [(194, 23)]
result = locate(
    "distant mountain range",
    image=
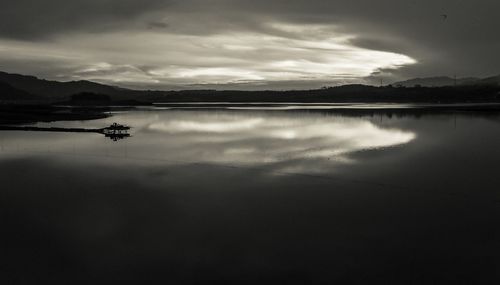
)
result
[(15, 87), (442, 81), (494, 80), (55, 89)]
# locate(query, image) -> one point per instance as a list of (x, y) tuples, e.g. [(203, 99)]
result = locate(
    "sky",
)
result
[(250, 45)]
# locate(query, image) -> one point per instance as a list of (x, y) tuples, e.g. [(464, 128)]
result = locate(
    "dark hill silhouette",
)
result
[(9, 93), (344, 94), (87, 98), (55, 89), (479, 91), (493, 81), (440, 81)]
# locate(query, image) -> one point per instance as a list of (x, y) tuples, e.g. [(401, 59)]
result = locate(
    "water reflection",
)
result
[(79, 209), (266, 139), (298, 142)]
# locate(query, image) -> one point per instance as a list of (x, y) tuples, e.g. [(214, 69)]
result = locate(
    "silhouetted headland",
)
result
[(114, 132), (31, 113)]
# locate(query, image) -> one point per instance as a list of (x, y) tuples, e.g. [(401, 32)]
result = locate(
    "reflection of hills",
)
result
[(482, 111)]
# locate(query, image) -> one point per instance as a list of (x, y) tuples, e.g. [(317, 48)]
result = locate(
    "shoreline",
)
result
[(17, 114)]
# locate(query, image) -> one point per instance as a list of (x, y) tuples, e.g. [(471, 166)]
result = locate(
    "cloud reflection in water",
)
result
[(296, 142), (291, 142)]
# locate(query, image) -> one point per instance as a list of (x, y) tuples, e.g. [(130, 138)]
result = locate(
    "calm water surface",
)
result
[(254, 196)]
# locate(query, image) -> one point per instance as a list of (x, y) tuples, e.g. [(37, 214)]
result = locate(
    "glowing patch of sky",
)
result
[(306, 52)]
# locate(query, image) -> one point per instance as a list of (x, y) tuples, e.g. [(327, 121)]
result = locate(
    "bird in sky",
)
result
[(444, 16)]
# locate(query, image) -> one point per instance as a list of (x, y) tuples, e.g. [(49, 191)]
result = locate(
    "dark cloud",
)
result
[(31, 19), (466, 43)]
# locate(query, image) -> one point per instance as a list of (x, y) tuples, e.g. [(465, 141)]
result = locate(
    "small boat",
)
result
[(116, 131), (117, 127)]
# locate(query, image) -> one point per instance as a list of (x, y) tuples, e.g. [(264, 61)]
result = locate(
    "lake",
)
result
[(257, 195)]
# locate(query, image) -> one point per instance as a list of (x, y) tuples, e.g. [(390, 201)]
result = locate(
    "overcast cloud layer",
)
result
[(257, 44)]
